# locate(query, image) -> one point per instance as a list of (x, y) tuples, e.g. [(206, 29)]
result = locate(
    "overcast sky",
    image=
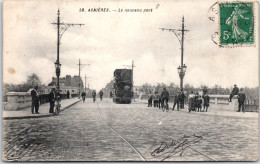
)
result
[(112, 39)]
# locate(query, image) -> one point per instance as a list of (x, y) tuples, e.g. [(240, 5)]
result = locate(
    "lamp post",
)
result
[(57, 66), (61, 28), (179, 33), (181, 71)]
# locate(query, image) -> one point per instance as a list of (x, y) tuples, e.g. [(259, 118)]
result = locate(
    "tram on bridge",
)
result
[(123, 86)]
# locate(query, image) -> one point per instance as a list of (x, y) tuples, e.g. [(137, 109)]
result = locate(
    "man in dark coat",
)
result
[(196, 101), (150, 100), (52, 100), (181, 99), (101, 94), (111, 94), (68, 94), (241, 100), (164, 97), (94, 95), (234, 92), (205, 90), (83, 95), (176, 101), (156, 100), (35, 100), (206, 99)]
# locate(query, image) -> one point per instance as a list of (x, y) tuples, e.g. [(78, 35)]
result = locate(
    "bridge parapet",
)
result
[(20, 100)]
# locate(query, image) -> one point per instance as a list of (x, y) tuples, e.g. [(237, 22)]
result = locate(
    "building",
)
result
[(72, 84)]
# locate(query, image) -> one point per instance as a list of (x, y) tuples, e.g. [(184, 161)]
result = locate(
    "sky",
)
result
[(110, 40)]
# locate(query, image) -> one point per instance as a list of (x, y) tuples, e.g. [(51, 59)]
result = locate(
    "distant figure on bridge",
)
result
[(101, 94), (35, 100), (164, 96), (68, 94), (83, 96), (234, 92), (111, 94), (176, 101), (156, 99), (160, 102), (199, 101), (196, 101), (94, 95), (52, 100), (181, 99), (191, 99), (133, 95), (241, 100), (206, 99), (205, 90), (150, 100)]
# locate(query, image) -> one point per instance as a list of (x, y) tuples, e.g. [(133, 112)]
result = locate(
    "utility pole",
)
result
[(61, 28), (179, 33), (85, 83), (79, 76), (132, 91)]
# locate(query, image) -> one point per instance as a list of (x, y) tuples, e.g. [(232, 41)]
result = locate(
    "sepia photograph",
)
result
[(121, 80)]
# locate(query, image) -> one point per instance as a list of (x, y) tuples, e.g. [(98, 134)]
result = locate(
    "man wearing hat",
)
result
[(156, 99), (35, 100), (181, 99), (164, 96), (176, 101), (234, 92), (52, 100), (241, 99)]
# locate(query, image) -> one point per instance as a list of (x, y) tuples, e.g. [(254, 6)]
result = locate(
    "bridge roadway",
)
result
[(104, 131)]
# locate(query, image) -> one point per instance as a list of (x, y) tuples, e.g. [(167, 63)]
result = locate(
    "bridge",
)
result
[(103, 131)]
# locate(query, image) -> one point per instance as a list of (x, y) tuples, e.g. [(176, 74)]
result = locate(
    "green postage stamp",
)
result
[(236, 23)]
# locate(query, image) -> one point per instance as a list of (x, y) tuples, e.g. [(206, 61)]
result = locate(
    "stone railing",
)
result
[(20, 100), (224, 100), (17, 100)]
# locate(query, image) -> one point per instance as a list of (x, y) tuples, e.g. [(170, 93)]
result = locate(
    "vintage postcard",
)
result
[(120, 80)]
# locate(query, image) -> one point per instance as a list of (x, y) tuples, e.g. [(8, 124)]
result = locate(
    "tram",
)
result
[(123, 86)]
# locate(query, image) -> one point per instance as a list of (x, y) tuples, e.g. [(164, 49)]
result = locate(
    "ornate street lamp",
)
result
[(181, 71), (57, 66), (179, 33)]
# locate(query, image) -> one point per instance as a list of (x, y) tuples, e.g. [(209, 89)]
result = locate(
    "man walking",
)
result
[(164, 97), (111, 94), (176, 101), (101, 94), (68, 94), (241, 100), (83, 96), (94, 95), (156, 100), (234, 92), (181, 99), (206, 99), (52, 100), (35, 100)]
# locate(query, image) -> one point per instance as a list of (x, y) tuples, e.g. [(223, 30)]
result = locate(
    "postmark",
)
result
[(236, 24)]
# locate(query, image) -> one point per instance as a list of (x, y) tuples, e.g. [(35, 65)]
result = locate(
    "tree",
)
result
[(33, 80)]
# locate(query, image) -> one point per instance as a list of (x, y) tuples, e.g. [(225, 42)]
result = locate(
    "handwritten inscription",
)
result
[(167, 149)]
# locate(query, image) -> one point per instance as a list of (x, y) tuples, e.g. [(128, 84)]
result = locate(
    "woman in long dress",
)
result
[(191, 99)]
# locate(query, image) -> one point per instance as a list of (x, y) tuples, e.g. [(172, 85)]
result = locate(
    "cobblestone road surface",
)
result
[(107, 131)]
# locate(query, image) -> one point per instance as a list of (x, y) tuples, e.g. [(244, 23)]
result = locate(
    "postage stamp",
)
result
[(236, 23)]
